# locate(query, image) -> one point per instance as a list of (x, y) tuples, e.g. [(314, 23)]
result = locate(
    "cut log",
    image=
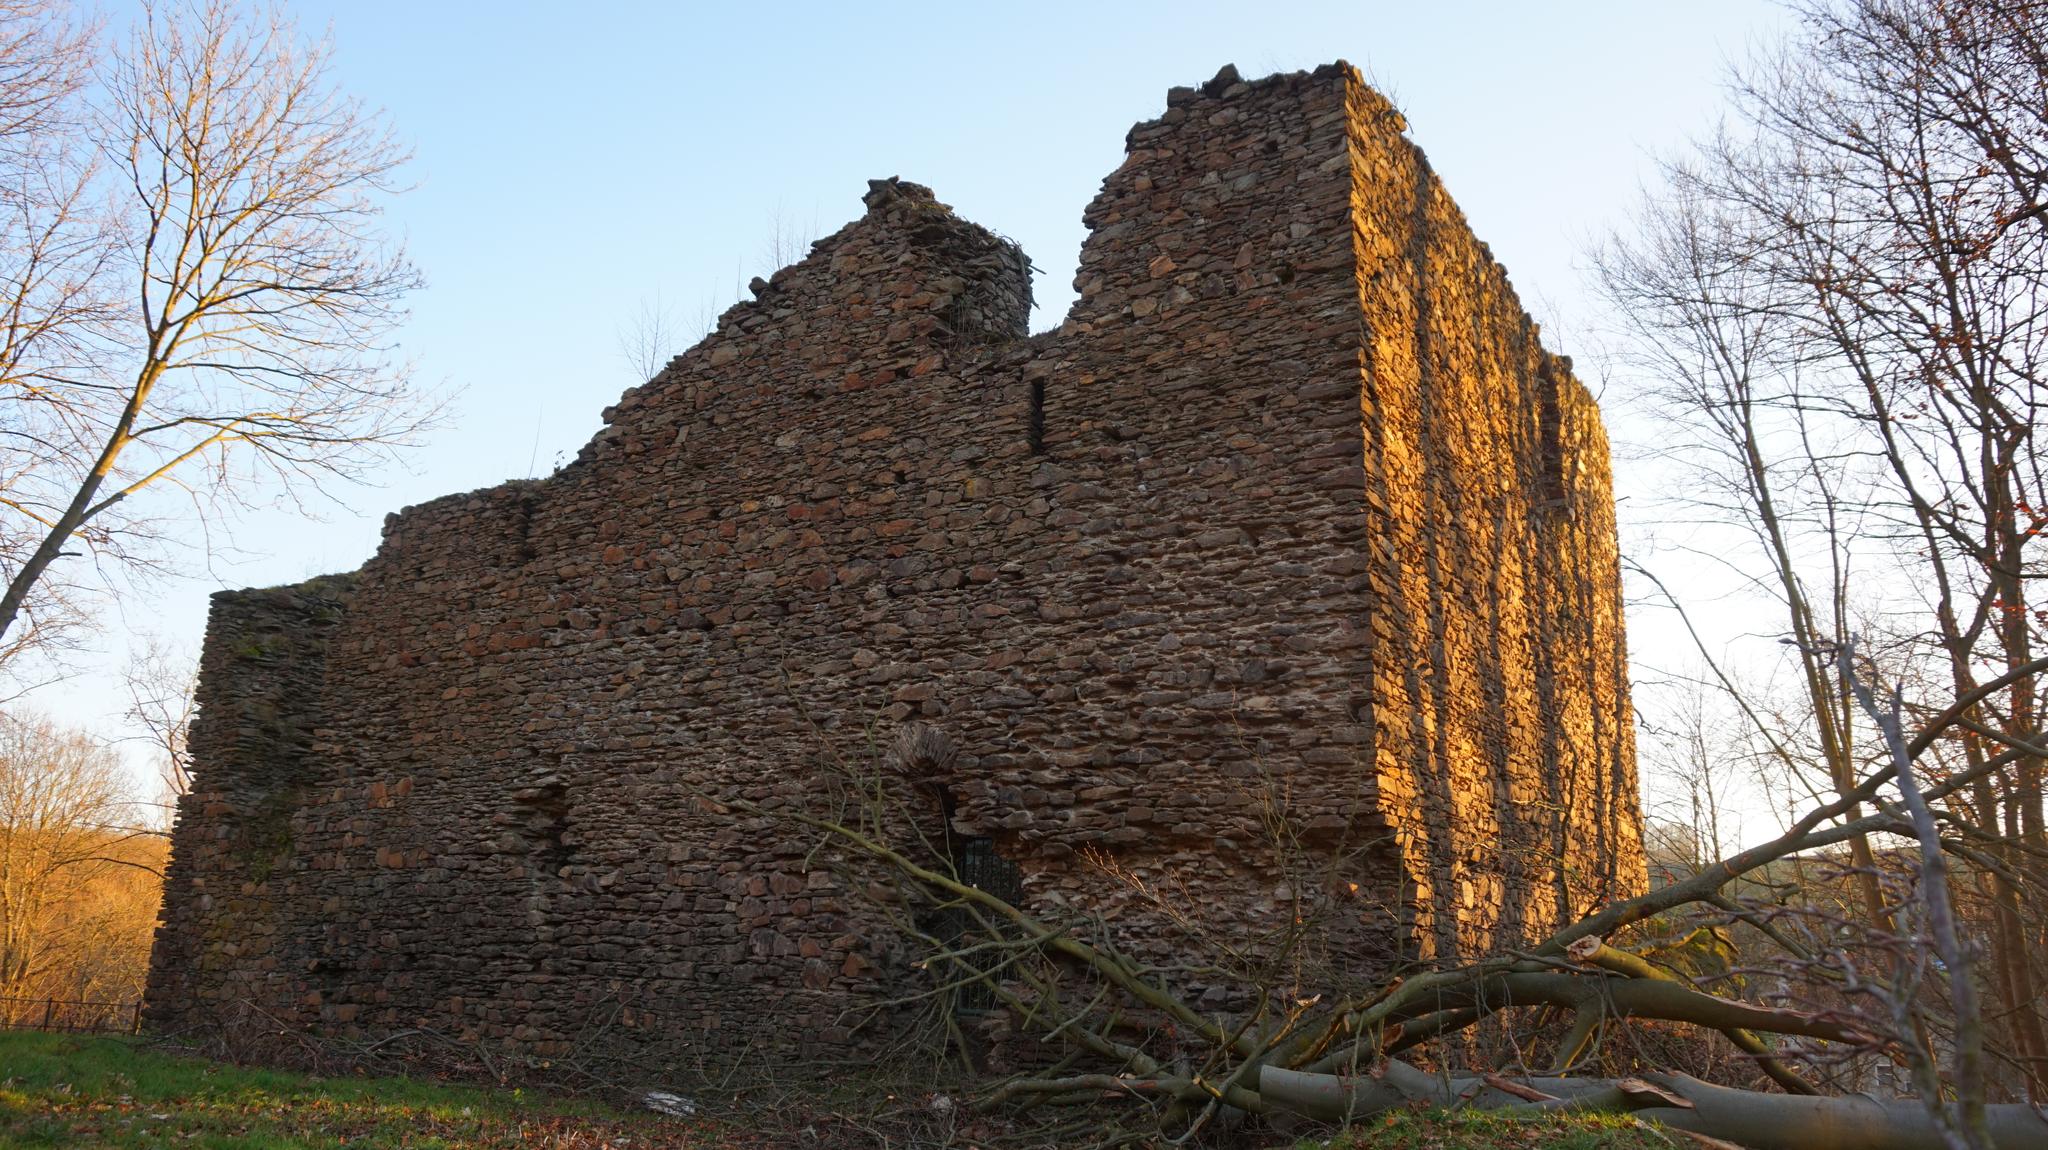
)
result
[(1747, 1117)]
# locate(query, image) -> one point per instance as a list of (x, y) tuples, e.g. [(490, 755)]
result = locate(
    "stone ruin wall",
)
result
[(1292, 508), (261, 673), (1500, 680)]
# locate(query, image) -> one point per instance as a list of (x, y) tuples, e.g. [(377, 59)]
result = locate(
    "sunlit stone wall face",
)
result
[(1279, 582), (1500, 714)]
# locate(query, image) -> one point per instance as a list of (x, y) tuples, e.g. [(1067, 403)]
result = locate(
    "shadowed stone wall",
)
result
[(1292, 522)]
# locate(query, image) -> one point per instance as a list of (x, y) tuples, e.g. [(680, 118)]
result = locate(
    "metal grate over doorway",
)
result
[(978, 865)]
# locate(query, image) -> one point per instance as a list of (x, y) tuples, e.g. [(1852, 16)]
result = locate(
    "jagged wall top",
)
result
[(968, 288)]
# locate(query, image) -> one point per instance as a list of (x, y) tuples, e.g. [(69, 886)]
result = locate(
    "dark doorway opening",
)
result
[(977, 864)]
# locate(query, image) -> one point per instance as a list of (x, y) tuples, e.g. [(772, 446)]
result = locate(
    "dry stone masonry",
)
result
[(1282, 573)]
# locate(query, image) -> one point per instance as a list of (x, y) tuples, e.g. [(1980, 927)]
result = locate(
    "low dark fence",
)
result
[(70, 1017)]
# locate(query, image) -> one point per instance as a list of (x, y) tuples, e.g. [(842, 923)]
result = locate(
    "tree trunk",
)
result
[(1754, 1119)]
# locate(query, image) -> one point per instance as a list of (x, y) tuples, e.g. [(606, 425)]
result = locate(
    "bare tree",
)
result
[(200, 294), (161, 683), (1698, 757), (657, 331), (652, 336), (43, 60), (1696, 309), (787, 241), (53, 249), (1843, 300)]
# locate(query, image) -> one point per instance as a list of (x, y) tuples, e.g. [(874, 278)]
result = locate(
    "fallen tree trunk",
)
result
[(1751, 1118), (1647, 998), (1173, 1067)]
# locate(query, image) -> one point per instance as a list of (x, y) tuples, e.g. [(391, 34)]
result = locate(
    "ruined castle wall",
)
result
[(1599, 839), (227, 905), (1500, 700), (1143, 573), (1203, 447), (567, 708)]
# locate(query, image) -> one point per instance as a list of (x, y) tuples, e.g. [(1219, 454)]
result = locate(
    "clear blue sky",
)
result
[(574, 161)]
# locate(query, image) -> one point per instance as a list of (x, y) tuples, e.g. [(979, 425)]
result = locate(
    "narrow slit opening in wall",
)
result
[(1551, 491), (1034, 430)]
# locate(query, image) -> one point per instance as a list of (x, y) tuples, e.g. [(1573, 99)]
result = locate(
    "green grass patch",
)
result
[(73, 1091), (1478, 1130)]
